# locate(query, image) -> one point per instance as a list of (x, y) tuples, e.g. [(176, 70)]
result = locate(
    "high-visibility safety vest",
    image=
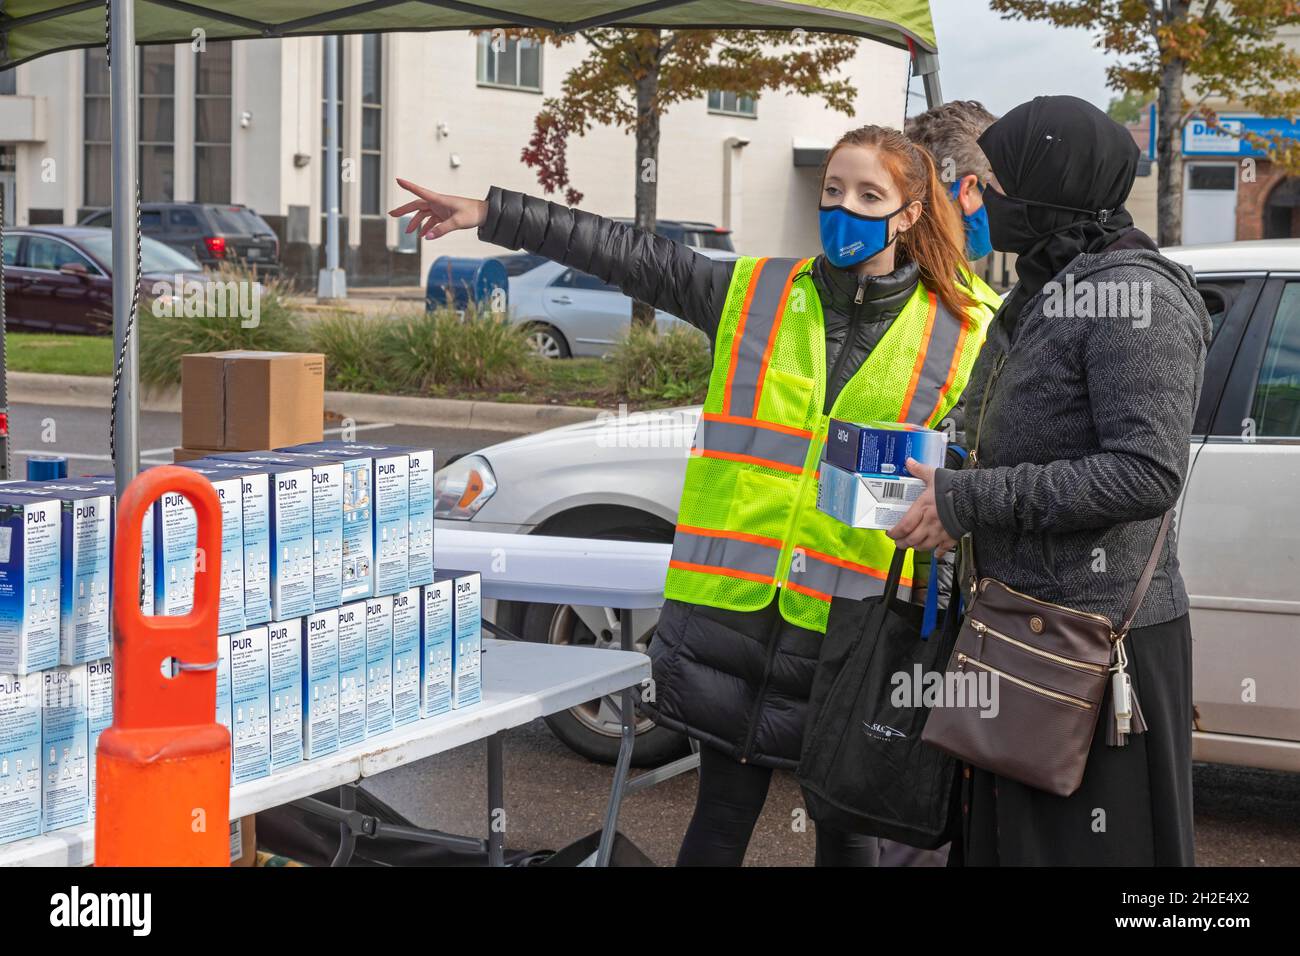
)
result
[(748, 520)]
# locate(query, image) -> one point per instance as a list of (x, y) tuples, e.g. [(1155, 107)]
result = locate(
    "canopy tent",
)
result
[(32, 28)]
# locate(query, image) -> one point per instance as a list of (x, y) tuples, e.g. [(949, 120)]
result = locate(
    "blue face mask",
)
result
[(849, 237), (978, 243)]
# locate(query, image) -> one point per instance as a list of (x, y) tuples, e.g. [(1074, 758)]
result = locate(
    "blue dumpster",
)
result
[(462, 280)]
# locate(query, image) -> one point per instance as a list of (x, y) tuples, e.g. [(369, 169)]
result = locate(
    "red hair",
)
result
[(936, 242)]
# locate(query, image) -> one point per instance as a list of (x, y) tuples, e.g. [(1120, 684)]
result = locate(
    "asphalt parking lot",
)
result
[(1244, 817)]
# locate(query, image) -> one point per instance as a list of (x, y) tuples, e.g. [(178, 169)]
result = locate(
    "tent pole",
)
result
[(122, 83), (332, 282)]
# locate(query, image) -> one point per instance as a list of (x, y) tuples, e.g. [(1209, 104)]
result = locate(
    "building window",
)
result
[(372, 123), (515, 64), (212, 125), (97, 130), (325, 121), (157, 120), (733, 104), (8, 83)]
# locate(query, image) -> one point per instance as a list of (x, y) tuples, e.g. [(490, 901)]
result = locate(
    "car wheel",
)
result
[(547, 342), (593, 729)]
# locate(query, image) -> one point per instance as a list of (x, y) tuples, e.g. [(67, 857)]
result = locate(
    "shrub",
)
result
[(671, 366), (212, 317), (353, 346), (431, 352)]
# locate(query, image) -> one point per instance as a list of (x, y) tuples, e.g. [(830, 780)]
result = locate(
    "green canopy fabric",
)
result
[(32, 28)]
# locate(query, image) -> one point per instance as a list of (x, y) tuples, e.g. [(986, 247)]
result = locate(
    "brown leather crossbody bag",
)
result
[(1028, 677)]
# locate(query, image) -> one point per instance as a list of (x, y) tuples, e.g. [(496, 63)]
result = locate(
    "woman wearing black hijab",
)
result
[(1083, 449)]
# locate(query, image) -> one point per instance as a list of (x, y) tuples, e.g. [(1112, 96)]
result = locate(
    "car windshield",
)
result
[(519, 264), (234, 221), (154, 256)]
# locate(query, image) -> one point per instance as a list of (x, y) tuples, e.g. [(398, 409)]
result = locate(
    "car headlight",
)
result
[(462, 488)]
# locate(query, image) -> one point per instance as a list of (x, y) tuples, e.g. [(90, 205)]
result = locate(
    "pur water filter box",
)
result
[(320, 683), (467, 646), (379, 665), (327, 517), (20, 756), (285, 652), (99, 711), (250, 705), (223, 683), (85, 560), (229, 486), (882, 448), (29, 583), (406, 656), (289, 533), (865, 501), (65, 751), (146, 540), (175, 535), (255, 484), (353, 651), (358, 521), (436, 636), (402, 479)]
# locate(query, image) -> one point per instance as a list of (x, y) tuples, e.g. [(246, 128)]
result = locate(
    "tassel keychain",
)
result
[(1125, 713)]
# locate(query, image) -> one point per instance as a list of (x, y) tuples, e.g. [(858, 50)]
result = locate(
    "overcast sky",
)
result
[(1003, 63)]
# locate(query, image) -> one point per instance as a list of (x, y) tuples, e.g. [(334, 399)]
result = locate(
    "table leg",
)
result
[(496, 801), (628, 717), (347, 838)]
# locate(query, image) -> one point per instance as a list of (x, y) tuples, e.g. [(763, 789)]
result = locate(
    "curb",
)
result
[(96, 392)]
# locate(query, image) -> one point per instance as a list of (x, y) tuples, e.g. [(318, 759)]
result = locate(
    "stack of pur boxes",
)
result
[(864, 481), (334, 625)]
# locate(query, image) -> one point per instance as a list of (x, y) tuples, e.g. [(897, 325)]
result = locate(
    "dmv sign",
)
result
[(1199, 139)]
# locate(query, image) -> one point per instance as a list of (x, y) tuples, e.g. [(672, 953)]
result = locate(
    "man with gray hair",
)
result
[(949, 133)]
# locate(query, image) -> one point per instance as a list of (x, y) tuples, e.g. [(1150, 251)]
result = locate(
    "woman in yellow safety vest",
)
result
[(882, 326)]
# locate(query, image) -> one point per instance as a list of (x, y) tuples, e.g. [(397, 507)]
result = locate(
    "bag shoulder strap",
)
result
[(1148, 573)]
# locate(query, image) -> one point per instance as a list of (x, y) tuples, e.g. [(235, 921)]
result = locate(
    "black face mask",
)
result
[(1010, 229)]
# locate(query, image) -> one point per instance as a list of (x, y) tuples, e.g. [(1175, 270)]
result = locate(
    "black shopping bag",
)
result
[(863, 768)]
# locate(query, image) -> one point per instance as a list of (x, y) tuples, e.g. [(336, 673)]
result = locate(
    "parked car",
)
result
[(570, 313), (701, 235), (59, 278), (1238, 524), (208, 233)]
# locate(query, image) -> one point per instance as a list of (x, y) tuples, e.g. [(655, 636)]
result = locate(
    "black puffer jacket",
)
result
[(738, 681)]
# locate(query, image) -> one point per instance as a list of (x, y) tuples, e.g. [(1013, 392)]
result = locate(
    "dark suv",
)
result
[(209, 233), (704, 235)]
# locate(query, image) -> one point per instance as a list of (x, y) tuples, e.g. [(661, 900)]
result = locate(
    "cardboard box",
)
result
[(243, 841), (882, 448), (320, 683), (436, 637), (352, 673), (865, 501), (65, 771), (99, 711), (250, 704), (246, 400), (406, 656), (285, 640), (29, 583), (379, 665), (20, 756), (182, 455)]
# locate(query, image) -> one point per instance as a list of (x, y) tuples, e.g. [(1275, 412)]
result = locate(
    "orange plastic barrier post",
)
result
[(163, 790)]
